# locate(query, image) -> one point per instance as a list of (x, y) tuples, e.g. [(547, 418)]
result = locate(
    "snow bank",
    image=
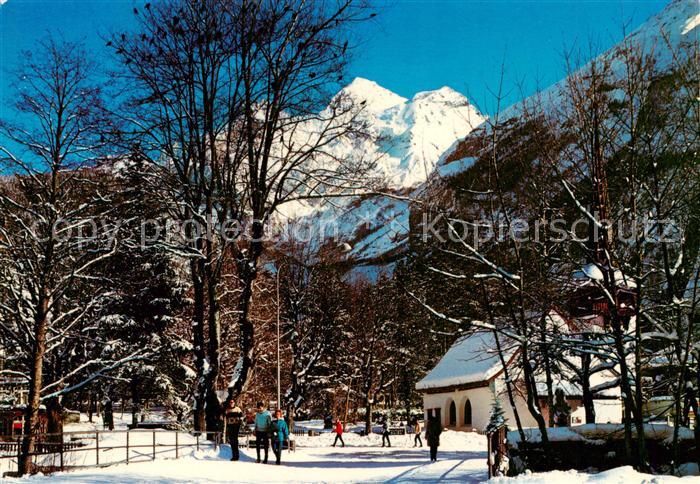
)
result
[(619, 475), (557, 434), (598, 433)]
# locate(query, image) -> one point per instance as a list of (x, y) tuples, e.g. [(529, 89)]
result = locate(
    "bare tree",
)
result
[(184, 96), (289, 58), (231, 99), (52, 234), (371, 353)]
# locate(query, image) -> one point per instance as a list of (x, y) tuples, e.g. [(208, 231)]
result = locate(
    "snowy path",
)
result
[(308, 464), (462, 458)]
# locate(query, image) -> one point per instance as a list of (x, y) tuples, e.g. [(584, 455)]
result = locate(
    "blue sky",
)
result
[(410, 46)]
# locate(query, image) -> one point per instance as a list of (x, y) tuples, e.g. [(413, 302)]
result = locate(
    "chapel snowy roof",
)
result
[(471, 359)]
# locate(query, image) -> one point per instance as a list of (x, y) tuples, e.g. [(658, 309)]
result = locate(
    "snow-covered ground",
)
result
[(462, 458), (620, 475)]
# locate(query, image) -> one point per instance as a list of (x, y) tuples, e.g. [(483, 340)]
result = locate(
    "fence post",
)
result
[(176, 442), (197, 442), (97, 448), (19, 451), (127, 447), (154, 445), (61, 452)]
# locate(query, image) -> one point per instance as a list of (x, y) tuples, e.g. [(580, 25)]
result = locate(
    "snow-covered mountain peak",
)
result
[(375, 97), (407, 135), (443, 95), (406, 139)]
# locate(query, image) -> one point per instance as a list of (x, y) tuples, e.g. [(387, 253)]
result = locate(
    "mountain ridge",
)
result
[(377, 227)]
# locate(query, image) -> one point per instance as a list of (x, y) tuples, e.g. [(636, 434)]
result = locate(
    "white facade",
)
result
[(461, 388), (477, 403)]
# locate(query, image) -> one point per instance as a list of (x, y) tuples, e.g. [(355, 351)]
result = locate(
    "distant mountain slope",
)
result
[(427, 142), (675, 24)]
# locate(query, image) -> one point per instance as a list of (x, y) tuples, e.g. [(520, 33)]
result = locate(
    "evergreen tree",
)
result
[(498, 416)]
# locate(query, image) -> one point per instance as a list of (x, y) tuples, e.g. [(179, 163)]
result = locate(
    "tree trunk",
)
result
[(544, 348), (89, 406), (368, 415), (625, 387), (31, 423), (588, 403), (213, 410), (200, 394), (509, 387), (642, 461), (134, 402), (532, 403), (347, 402), (246, 339), (54, 416), (247, 267), (290, 416)]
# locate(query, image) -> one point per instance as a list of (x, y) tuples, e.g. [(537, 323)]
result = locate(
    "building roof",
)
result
[(471, 359)]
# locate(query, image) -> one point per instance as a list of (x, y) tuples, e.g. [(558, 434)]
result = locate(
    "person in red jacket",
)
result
[(338, 433)]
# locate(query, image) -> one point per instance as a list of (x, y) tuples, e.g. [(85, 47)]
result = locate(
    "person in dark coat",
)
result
[(234, 417), (328, 422), (385, 432), (338, 433), (432, 435), (280, 432), (108, 415)]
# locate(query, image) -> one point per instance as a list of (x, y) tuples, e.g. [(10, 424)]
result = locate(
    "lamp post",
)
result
[(279, 387)]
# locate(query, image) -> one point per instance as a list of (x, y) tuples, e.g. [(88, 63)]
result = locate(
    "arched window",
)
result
[(468, 413), (453, 414)]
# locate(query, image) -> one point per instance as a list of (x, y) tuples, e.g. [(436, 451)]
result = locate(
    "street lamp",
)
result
[(279, 390)]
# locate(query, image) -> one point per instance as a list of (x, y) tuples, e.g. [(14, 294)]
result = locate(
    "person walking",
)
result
[(417, 430), (280, 432), (263, 427), (108, 419), (432, 435), (338, 433), (234, 417), (385, 432)]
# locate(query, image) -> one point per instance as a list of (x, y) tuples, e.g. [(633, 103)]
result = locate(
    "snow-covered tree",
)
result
[(628, 115), (145, 311), (54, 224), (611, 146), (371, 346), (231, 111), (314, 317)]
